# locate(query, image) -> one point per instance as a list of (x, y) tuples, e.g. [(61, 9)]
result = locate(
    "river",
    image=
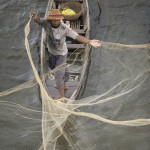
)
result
[(126, 22)]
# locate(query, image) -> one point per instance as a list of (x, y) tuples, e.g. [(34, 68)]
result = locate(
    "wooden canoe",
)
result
[(78, 53)]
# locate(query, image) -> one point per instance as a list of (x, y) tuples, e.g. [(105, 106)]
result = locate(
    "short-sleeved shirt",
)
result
[(56, 37)]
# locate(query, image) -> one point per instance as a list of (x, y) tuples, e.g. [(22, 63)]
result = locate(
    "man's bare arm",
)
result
[(82, 39), (94, 43), (37, 19)]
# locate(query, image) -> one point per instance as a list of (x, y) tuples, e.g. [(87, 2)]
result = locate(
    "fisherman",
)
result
[(56, 32)]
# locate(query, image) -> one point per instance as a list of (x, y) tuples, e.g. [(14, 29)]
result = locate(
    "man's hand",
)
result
[(33, 13), (94, 43)]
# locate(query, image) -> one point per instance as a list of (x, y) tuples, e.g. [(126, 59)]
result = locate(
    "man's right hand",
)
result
[(33, 14)]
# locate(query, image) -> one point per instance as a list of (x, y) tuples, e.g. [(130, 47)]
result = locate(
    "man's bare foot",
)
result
[(61, 99)]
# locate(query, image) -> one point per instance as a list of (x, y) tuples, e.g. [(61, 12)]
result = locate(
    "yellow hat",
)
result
[(55, 14)]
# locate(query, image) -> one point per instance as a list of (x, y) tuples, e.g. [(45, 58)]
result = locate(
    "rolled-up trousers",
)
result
[(61, 73)]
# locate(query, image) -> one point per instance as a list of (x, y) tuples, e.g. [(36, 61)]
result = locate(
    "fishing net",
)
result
[(122, 82)]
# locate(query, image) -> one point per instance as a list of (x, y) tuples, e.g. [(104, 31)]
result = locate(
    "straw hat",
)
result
[(55, 14)]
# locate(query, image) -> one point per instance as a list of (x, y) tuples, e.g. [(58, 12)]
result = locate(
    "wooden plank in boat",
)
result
[(75, 69), (68, 0), (75, 46), (76, 60), (75, 24), (75, 54), (79, 31)]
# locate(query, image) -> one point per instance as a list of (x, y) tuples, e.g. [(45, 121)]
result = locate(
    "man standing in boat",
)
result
[(56, 32)]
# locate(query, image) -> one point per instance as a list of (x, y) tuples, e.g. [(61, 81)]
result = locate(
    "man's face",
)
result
[(55, 23)]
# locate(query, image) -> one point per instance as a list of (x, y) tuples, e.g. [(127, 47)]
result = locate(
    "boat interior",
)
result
[(76, 52)]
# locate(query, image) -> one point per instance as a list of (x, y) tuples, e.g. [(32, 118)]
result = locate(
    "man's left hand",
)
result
[(95, 43)]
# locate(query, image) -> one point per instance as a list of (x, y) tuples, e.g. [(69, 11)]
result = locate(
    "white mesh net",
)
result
[(120, 82)]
